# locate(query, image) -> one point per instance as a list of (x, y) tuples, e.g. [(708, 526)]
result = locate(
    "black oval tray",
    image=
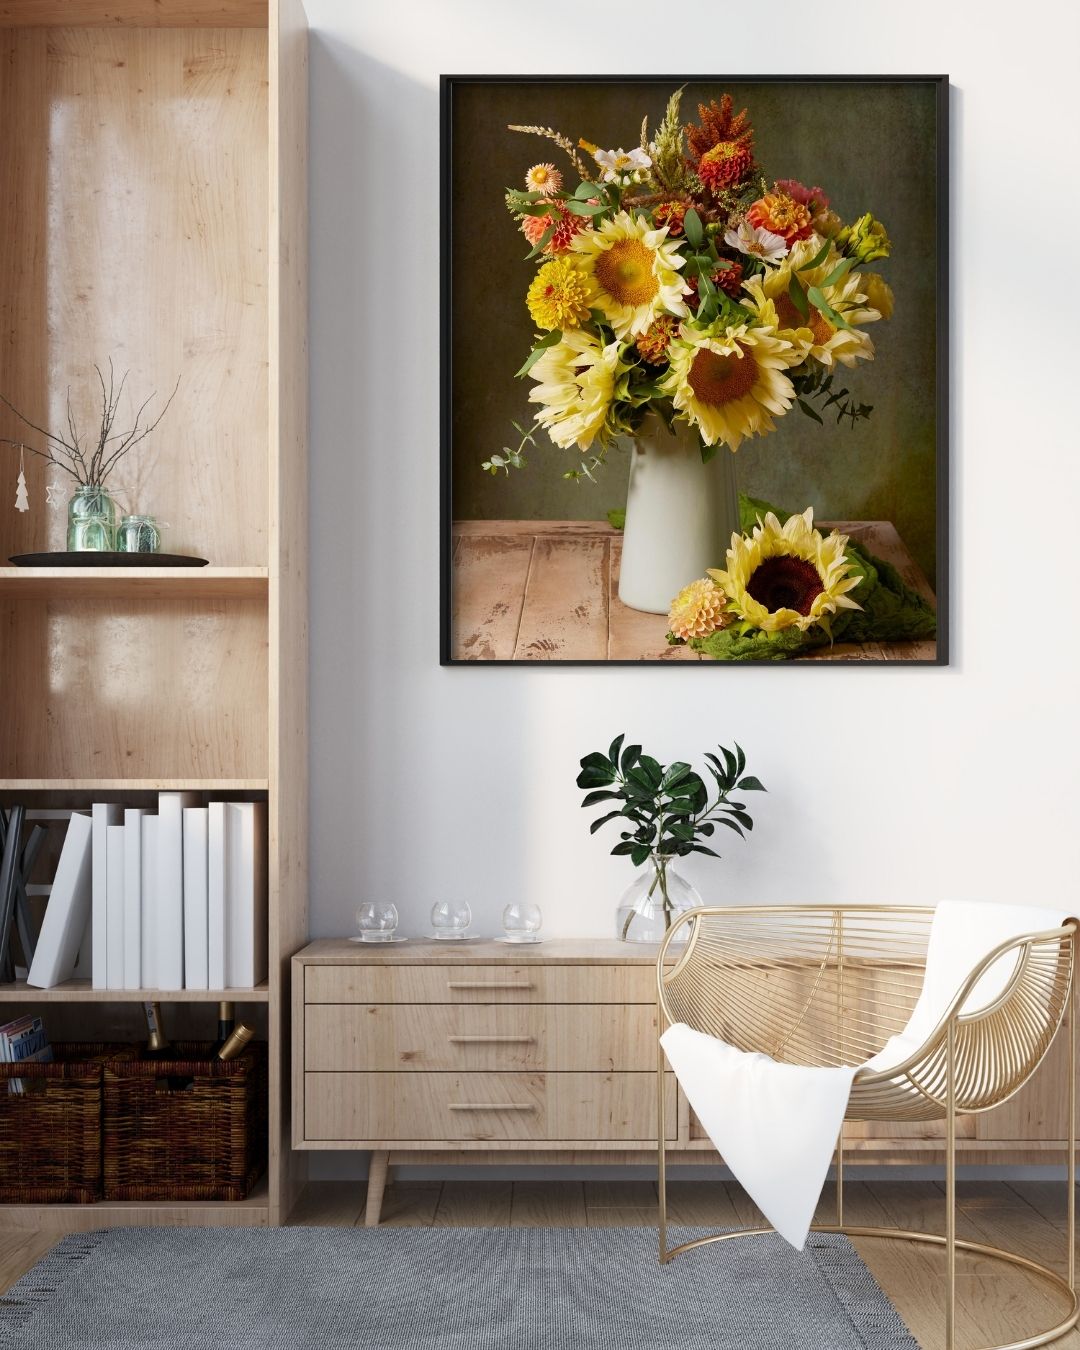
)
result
[(92, 559)]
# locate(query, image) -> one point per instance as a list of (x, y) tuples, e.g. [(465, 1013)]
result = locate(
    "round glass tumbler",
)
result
[(450, 919), (377, 921), (521, 923)]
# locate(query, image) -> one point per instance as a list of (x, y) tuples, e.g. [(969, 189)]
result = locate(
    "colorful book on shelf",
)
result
[(103, 814), (24, 1041), (68, 911)]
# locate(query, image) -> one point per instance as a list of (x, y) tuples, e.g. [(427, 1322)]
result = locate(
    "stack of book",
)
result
[(175, 899)]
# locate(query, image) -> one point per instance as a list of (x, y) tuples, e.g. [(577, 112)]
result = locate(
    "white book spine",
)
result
[(103, 815), (133, 818), (245, 897), (215, 895), (169, 900), (196, 876), (148, 899), (68, 911), (114, 906)]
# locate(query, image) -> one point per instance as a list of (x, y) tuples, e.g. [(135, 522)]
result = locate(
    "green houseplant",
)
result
[(667, 812)]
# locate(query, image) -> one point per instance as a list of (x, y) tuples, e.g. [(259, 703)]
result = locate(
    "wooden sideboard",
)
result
[(483, 1052)]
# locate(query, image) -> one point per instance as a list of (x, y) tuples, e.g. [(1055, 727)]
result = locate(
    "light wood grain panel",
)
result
[(139, 583), (136, 13), (165, 272), (371, 1109), (480, 951), (490, 577), (479, 984), (424, 1037), (57, 1219), (94, 677), (288, 528), (548, 1204), (564, 614)]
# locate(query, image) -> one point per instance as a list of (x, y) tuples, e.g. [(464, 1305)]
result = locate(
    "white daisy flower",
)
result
[(757, 243)]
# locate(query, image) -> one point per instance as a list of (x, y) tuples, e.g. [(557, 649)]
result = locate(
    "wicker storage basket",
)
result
[(186, 1128), (50, 1138)]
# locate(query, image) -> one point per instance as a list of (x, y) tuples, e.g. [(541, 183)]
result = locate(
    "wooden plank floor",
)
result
[(548, 590), (996, 1304)]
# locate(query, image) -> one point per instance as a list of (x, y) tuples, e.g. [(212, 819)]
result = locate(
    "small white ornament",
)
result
[(22, 499), (50, 490)]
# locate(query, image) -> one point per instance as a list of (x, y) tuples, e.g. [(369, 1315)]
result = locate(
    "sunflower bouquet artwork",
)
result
[(676, 284)]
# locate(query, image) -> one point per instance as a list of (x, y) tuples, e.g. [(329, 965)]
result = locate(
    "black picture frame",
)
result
[(447, 84)]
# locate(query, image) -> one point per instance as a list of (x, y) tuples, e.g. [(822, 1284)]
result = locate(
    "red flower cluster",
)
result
[(672, 215), (568, 225)]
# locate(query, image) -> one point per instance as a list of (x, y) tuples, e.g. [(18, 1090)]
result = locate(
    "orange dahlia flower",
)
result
[(566, 227), (782, 215)]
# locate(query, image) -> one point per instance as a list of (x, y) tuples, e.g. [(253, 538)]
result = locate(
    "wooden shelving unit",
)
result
[(154, 166)]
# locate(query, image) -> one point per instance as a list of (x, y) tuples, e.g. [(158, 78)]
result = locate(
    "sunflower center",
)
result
[(785, 583), (790, 317), (625, 271), (717, 379)]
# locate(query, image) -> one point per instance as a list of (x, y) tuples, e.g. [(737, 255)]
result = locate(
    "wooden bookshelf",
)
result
[(79, 991), (154, 164)]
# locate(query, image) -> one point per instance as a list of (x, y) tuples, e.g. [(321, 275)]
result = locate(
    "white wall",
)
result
[(886, 784)]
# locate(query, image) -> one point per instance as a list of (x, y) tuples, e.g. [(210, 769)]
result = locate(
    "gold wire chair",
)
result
[(829, 985)]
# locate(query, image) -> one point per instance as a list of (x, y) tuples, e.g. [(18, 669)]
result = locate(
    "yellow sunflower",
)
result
[(634, 273), (729, 382), (784, 576), (575, 386), (769, 299)]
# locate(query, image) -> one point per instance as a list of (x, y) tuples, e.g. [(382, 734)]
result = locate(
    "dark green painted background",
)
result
[(870, 146)]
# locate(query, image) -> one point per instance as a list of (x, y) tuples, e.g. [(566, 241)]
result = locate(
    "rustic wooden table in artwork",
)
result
[(548, 590)]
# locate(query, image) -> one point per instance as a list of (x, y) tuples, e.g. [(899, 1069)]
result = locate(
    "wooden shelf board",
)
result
[(136, 583), (254, 1212), (134, 784), (134, 13), (79, 991)]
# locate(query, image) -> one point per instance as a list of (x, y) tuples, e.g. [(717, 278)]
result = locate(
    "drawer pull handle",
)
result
[(487, 984), (492, 1040), (492, 1106)]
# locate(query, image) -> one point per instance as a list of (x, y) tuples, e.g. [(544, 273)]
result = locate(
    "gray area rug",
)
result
[(444, 1289)]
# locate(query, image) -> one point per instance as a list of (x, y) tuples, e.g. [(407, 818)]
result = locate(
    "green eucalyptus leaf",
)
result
[(624, 849), (810, 412), (616, 746), (822, 305), (578, 208), (751, 784), (611, 815), (595, 798), (702, 848), (543, 241), (693, 229), (640, 855), (708, 452)]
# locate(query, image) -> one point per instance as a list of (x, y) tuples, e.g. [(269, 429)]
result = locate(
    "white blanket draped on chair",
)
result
[(776, 1125)]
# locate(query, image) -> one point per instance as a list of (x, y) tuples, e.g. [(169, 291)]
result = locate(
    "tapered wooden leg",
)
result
[(376, 1184), (950, 1188)]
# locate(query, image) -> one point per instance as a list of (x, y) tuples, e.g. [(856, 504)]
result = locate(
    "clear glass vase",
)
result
[(653, 901), (91, 521)]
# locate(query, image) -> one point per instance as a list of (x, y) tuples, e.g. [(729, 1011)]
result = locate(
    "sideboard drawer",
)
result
[(416, 1037), (480, 984), (457, 1107)]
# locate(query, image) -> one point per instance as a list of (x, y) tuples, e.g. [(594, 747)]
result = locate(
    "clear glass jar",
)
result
[(138, 534), (521, 923), (652, 902), (450, 919), (91, 521), (377, 921)]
